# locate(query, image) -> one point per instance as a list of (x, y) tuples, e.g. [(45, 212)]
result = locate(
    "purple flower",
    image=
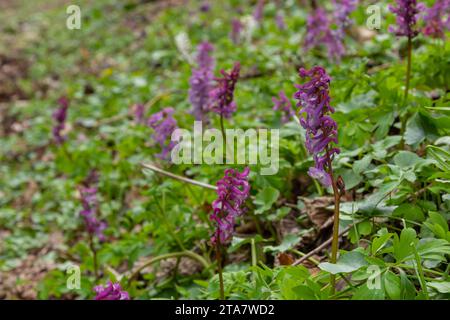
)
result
[(112, 291), (236, 29), (138, 110), (204, 58), (279, 20), (163, 125), (342, 11), (205, 6), (89, 202), (407, 12), (223, 94), (321, 129), (319, 32), (233, 190), (258, 13), (59, 116), (435, 23), (284, 105), (201, 82)]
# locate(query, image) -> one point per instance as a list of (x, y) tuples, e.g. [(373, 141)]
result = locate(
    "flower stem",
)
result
[(224, 137), (219, 266), (186, 253), (403, 117), (335, 241), (94, 256)]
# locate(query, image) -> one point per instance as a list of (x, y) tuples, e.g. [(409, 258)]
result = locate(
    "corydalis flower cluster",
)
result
[(435, 22), (232, 191), (201, 81), (284, 105), (222, 95), (321, 129), (138, 111), (163, 124), (236, 30), (342, 11), (112, 291), (319, 32), (88, 194), (259, 11), (60, 115), (407, 12)]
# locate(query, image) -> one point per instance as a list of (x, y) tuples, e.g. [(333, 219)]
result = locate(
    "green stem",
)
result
[(94, 256), (186, 253), (253, 246), (335, 241), (404, 117), (224, 138), (420, 274), (219, 266)]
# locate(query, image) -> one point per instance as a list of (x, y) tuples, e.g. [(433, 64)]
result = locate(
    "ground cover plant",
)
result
[(120, 179)]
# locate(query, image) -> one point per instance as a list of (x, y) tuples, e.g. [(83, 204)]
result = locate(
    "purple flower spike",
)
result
[(435, 22), (205, 6), (342, 11), (223, 94), (236, 29), (258, 14), (319, 32), (407, 12), (321, 129), (233, 190), (279, 20), (89, 202), (284, 105), (201, 82), (138, 110), (163, 125), (112, 291), (59, 116)]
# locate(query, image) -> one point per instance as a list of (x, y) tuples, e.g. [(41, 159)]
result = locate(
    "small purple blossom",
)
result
[(232, 192), (88, 192), (205, 6), (258, 13), (279, 20), (163, 125), (342, 11), (435, 22), (319, 32), (112, 291), (201, 81), (407, 12), (321, 129), (59, 116), (236, 29), (222, 95), (138, 111), (284, 105)]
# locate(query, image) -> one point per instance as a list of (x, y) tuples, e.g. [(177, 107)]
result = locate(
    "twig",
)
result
[(177, 177), (324, 245)]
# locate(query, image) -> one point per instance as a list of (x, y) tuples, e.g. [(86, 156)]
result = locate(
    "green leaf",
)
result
[(405, 159), (402, 245), (360, 166), (410, 212), (265, 199), (364, 293), (380, 242), (349, 262), (442, 287), (288, 243), (392, 285)]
